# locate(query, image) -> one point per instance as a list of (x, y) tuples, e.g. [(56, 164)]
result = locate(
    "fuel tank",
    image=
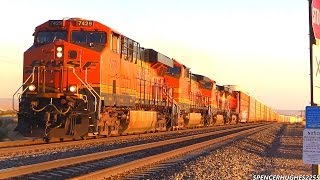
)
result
[(141, 122)]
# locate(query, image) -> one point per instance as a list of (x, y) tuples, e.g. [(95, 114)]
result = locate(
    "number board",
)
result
[(56, 23), (84, 23)]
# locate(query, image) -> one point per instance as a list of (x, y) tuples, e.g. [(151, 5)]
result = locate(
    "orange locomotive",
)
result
[(82, 78), (194, 97), (227, 106)]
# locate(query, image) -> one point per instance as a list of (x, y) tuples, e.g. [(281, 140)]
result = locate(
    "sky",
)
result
[(260, 45)]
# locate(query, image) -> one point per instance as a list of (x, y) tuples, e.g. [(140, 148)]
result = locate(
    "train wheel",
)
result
[(47, 140)]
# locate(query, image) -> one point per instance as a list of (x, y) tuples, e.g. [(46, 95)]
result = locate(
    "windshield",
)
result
[(207, 85), (88, 37), (174, 71), (50, 36)]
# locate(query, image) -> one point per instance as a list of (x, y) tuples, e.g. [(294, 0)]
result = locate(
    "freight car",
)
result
[(82, 78)]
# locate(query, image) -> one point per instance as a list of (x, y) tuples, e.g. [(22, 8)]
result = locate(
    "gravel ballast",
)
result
[(274, 151)]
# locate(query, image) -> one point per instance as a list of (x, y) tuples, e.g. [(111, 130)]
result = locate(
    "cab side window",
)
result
[(186, 73), (115, 43)]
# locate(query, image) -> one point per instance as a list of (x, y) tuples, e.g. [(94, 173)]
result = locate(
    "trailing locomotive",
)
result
[(82, 78)]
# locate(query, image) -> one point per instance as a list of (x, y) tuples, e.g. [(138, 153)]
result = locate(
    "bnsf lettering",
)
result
[(90, 65), (47, 64), (57, 64), (54, 64), (74, 63), (315, 16)]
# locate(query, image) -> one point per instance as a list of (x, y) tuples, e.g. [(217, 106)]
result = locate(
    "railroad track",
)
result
[(113, 162), (32, 146)]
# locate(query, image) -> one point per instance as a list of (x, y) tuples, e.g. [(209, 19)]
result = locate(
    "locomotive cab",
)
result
[(57, 99)]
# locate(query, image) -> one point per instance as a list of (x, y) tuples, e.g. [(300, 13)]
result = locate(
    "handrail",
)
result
[(85, 83), (31, 75), (175, 105), (95, 94)]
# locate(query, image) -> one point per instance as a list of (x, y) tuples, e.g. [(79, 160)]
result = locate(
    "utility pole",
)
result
[(312, 41)]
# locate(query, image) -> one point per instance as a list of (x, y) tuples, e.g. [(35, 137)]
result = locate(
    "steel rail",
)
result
[(17, 143), (123, 168), (38, 145), (29, 169)]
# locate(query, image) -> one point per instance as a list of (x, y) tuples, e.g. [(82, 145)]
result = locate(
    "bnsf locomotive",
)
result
[(82, 78)]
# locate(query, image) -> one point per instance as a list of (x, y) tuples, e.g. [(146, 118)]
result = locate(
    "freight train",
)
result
[(82, 78)]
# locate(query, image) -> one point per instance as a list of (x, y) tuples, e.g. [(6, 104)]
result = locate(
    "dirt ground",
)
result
[(7, 126)]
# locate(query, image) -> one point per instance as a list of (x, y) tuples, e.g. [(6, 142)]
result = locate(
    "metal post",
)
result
[(311, 42)]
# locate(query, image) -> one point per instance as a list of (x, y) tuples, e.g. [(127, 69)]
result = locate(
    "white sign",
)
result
[(316, 73), (311, 146)]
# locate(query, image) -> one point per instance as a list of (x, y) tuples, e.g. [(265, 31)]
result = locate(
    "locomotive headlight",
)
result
[(72, 88), (32, 87), (59, 54), (59, 51)]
